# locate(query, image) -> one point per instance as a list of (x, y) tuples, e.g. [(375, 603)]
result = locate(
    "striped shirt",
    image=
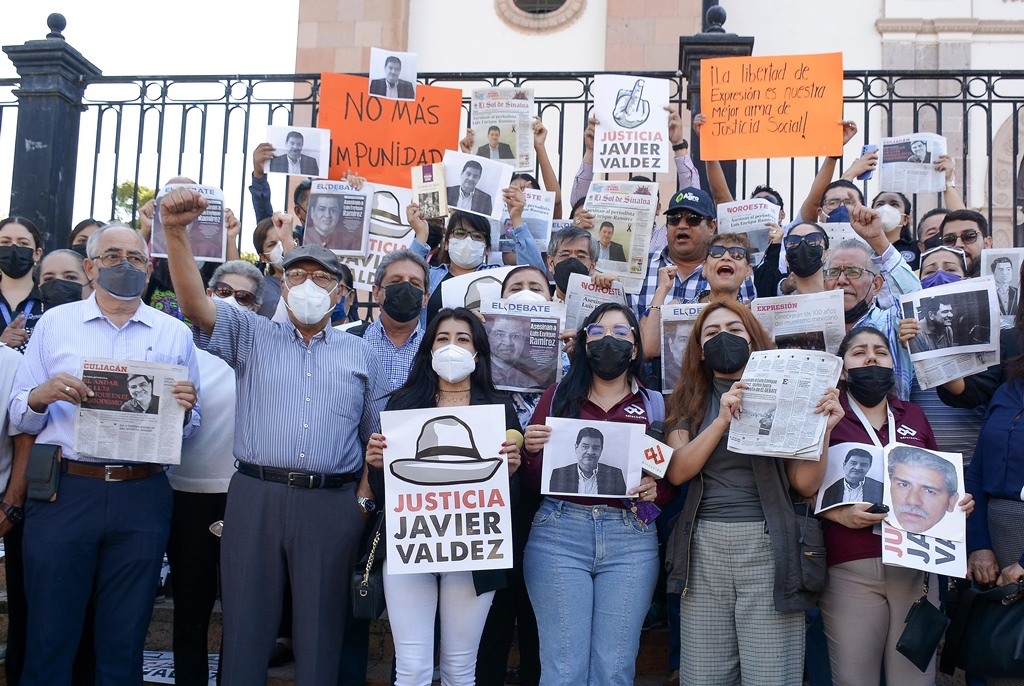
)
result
[(65, 335), (397, 362), (304, 407)]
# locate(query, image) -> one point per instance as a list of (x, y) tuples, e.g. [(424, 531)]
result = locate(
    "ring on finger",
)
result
[(67, 390)]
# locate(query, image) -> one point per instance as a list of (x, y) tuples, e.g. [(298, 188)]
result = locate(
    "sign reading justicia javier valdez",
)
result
[(446, 490)]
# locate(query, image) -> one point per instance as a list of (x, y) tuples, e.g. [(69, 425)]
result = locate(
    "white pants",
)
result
[(412, 602)]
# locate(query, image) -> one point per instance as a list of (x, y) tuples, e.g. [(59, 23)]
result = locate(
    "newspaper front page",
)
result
[(338, 217), (525, 349), (133, 415), (908, 164), (502, 123), (207, 234), (582, 297), (677, 322), (627, 210), (538, 215), (749, 217), (803, 322), (777, 417)]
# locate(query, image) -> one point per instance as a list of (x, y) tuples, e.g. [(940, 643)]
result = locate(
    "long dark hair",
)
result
[(575, 385), (420, 390)]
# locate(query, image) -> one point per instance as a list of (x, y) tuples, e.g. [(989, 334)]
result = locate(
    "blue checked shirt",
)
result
[(66, 334), (684, 290), (309, 408), (397, 361)]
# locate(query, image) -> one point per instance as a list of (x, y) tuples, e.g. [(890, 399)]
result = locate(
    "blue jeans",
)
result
[(590, 572)]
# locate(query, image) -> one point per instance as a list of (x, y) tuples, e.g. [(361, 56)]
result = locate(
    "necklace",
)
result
[(453, 392)]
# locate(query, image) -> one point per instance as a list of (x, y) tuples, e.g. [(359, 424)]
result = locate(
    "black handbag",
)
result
[(986, 636), (368, 580), (925, 625)]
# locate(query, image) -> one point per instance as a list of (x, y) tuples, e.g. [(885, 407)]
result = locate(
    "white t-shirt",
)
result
[(10, 360)]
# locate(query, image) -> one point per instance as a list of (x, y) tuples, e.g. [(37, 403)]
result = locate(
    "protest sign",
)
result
[(677, 322), (614, 449), (207, 234), (381, 139), (908, 164), (502, 123), (776, 106), (298, 150), (158, 667), (749, 217), (632, 129), (923, 489), (393, 74), (132, 414), (537, 215), (525, 350), (475, 184), (623, 221), (582, 297), (927, 553), (338, 217), (1003, 265), (803, 322), (428, 190), (959, 317), (446, 491), (470, 290), (388, 233), (853, 475)]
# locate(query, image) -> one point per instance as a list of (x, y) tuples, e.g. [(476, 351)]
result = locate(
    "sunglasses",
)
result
[(243, 298), (735, 252), (692, 220), (968, 237), (812, 239)]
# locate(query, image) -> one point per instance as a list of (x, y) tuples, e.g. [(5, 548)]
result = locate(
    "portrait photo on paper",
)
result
[(393, 74), (922, 489), (600, 459), (299, 151)]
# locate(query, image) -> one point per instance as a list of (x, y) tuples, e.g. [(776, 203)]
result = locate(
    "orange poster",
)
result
[(383, 139), (778, 106)]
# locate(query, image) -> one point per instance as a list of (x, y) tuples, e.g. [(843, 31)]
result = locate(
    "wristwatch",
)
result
[(367, 505), (15, 515)]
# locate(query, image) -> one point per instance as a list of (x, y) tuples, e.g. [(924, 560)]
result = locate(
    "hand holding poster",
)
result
[(854, 474), (676, 327), (446, 498), (803, 322), (624, 217), (429, 190), (959, 317), (475, 184), (502, 123), (923, 489), (298, 150), (132, 415), (600, 459), (778, 106), (908, 164), (338, 217), (583, 297), (207, 234), (632, 124), (525, 349)]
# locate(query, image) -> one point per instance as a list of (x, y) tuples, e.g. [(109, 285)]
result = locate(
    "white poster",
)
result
[(632, 130), (1003, 265), (959, 317), (299, 151), (927, 553), (593, 458), (502, 123), (922, 489), (393, 74), (446, 490), (208, 234), (854, 474), (475, 184), (338, 217), (389, 231)]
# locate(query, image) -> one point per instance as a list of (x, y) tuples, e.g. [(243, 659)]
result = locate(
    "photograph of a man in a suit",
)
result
[(465, 196), (391, 86), (855, 486), (143, 400), (1002, 272), (494, 149), (588, 476), (609, 250), (293, 161)]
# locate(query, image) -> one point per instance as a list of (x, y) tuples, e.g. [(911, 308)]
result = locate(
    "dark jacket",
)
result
[(979, 388), (834, 493), (405, 89), (504, 151), (481, 200), (609, 480), (307, 165)]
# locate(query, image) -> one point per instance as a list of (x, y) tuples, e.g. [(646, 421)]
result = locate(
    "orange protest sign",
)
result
[(383, 139), (780, 106)]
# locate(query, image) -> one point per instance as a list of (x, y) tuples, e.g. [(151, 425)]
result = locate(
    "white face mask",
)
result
[(308, 302), (453, 363), (466, 253), (890, 216), (230, 301), (276, 256), (527, 297)]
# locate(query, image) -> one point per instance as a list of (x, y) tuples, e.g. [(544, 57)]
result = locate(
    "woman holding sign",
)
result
[(742, 554), (865, 604), (451, 369), (591, 563)]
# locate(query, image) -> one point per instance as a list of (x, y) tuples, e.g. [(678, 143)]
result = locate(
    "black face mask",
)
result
[(869, 385), (566, 268), (402, 301), (609, 357), (805, 259), (858, 311), (16, 261), (80, 249), (123, 281), (726, 353), (59, 292)]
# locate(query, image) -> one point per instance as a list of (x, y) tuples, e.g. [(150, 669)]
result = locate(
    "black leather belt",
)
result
[(296, 479)]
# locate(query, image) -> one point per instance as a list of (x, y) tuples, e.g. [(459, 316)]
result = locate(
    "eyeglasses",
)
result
[(581, 255), (833, 203), (110, 259), (811, 239), (297, 277), (692, 220), (736, 252), (243, 298), (477, 236), (852, 273), (621, 331), (968, 237)]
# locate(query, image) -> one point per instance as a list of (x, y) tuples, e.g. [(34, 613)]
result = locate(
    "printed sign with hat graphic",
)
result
[(445, 454)]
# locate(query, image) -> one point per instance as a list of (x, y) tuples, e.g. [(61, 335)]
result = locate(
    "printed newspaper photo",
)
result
[(502, 123), (623, 220), (908, 164), (525, 349)]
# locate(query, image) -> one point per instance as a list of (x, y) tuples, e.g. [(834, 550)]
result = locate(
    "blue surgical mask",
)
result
[(939, 278), (839, 215)]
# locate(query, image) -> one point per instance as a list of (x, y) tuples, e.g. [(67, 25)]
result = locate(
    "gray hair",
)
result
[(398, 256), (242, 268), (909, 456), (852, 244), (94, 239), (570, 235)]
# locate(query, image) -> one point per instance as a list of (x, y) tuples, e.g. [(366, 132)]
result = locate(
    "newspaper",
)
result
[(908, 164), (627, 208), (132, 416), (338, 218), (632, 130), (803, 322), (538, 214), (958, 317), (207, 234), (838, 232), (502, 123), (582, 297), (525, 349), (777, 418), (940, 370), (1003, 265), (749, 217), (428, 190), (677, 322)]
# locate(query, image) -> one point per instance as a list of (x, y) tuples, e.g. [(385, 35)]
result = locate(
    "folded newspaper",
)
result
[(777, 418), (813, 321)]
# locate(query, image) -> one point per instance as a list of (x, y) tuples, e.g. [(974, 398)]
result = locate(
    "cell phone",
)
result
[(878, 508), (864, 151)]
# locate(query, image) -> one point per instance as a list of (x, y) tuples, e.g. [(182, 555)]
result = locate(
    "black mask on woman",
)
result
[(609, 357), (804, 259), (59, 292), (566, 268), (869, 385), (80, 249), (16, 261), (726, 353), (402, 301)]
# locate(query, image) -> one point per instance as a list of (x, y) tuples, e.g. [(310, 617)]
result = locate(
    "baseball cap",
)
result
[(316, 253), (693, 199)]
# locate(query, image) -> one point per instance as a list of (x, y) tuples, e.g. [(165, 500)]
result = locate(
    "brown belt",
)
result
[(110, 472)]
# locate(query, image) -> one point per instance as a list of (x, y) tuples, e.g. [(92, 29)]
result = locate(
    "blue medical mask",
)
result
[(939, 278)]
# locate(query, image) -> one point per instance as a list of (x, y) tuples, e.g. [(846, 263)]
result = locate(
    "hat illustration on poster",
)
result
[(445, 454), (481, 289)]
